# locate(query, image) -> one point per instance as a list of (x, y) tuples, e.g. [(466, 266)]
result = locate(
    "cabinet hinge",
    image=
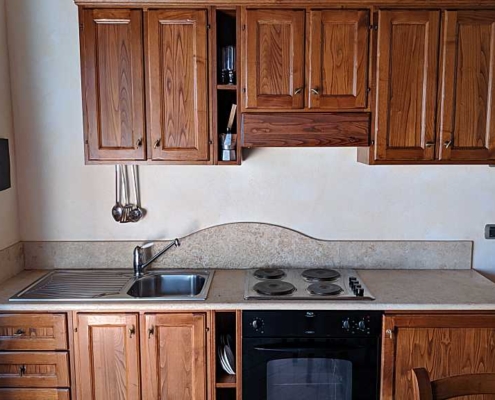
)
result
[(81, 27), (372, 142), (369, 90), (208, 26), (75, 329), (243, 27), (373, 27)]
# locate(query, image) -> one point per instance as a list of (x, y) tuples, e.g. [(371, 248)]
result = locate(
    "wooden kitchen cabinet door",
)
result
[(174, 357), (113, 84), (338, 59), (107, 357), (273, 42), (467, 108), (445, 345), (178, 85), (407, 72)]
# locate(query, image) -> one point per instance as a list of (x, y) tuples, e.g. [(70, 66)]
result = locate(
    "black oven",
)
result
[(311, 355)]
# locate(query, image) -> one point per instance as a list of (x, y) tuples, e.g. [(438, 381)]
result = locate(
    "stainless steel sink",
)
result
[(118, 285), (168, 284)]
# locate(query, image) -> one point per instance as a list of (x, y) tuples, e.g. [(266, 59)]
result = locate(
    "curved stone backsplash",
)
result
[(255, 245)]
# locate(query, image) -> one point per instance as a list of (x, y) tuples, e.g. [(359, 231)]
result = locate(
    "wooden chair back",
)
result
[(452, 387)]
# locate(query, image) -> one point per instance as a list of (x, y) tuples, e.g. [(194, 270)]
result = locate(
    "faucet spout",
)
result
[(140, 265)]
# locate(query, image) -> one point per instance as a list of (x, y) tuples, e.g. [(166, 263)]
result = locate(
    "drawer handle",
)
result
[(389, 333), (448, 143), (298, 90), (22, 370), (157, 143), (19, 332), (151, 331), (315, 91), (139, 143), (132, 331), (429, 144)]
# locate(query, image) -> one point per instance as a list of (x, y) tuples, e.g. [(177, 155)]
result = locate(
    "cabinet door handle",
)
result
[(429, 144), (22, 370), (132, 331), (298, 90), (157, 143), (448, 143), (315, 91), (139, 143), (19, 332), (151, 331), (389, 333)]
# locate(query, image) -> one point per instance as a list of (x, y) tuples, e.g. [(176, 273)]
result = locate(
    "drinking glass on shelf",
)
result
[(228, 65)]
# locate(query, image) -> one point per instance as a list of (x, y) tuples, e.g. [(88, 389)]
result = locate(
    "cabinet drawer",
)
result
[(34, 369), (305, 130), (33, 332), (34, 394)]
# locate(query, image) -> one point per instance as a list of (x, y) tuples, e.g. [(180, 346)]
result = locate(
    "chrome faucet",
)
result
[(140, 265)]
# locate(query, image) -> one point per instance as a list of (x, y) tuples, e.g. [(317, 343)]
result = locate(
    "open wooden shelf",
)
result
[(227, 87), (226, 381), (225, 32), (227, 387)]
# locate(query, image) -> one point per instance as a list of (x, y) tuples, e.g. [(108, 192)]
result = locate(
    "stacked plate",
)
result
[(226, 355)]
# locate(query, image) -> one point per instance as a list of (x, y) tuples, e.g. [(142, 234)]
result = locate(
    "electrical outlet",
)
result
[(490, 231), (4, 165)]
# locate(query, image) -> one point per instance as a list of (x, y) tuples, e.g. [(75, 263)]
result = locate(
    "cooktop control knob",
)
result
[(360, 292), (362, 325), (346, 324), (257, 324)]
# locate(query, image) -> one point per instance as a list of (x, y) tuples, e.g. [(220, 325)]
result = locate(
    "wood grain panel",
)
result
[(34, 369), (274, 59), (107, 357), (33, 332), (338, 59), (467, 109), (177, 57), (406, 85), (34, 394), (303, 130), (174, 357), (112, 79), (445, 345)]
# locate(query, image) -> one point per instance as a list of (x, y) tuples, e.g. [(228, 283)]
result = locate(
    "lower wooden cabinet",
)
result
[(171, 349), (174, 357), (444, 344), (107, 357)]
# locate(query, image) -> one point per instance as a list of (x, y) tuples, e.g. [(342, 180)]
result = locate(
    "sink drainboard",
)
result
[(74, 285)]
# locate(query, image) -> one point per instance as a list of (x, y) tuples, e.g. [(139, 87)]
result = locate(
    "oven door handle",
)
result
[(299, 349)]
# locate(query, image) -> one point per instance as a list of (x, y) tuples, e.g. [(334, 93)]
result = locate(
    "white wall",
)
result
[(9, 224), (322, 192)]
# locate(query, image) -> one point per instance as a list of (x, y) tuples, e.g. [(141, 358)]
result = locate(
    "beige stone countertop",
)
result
[(394, 290)]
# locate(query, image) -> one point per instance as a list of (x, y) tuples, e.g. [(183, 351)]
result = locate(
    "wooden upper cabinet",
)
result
[(112, 84), (273, 59), (407, 72), (177, 84), (174, 356), (445, 345), (107, 357), (467, 108), (338, 59)]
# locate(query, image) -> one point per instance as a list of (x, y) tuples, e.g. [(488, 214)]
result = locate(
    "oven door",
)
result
[(310, 369)]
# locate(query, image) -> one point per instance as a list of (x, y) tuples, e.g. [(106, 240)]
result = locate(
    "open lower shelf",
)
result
[(227, 87), (226, 381), (227, 387)]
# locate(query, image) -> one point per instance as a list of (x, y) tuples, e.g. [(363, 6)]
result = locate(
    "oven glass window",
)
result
[(309, 379)]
